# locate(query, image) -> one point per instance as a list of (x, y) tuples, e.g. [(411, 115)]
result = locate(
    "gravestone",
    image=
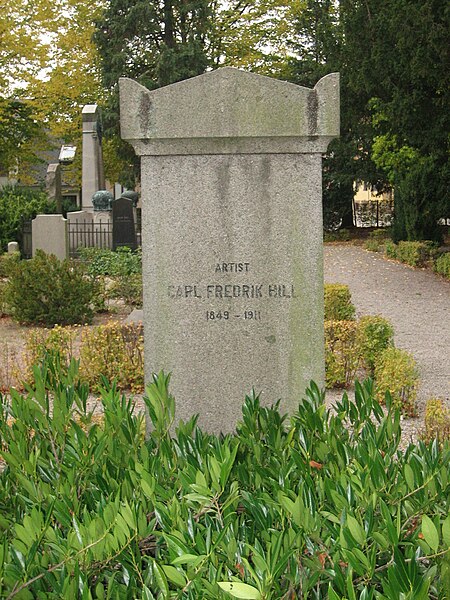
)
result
[(50, 234), (124, 228), (13, 247), (92, 174), (53, 185), (232, 236)]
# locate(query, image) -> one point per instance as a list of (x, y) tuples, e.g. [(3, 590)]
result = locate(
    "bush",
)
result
[(372, 245), (6, 262), (442, 265), (17, 206), (379, 234), (390, 249), (396, 373), (415, 254), (47, 291), (115, 351), (375, 334), (341, 235), (40, 342), (100, 261), (129, 288), (377, 237), (3, 305), (320, 505), (338, 304), (342, 356), (437, 421)]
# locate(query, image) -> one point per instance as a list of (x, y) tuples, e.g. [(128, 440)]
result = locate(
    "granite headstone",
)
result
[(232, 236), (124, 228)]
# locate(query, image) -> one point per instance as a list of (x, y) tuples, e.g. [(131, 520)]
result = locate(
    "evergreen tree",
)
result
[(156, 43), (396, 58), (317, 44)]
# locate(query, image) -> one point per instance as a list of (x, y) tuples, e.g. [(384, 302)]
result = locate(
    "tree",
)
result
[(48, 72), (398, 65), (317, 44), (156, 43)]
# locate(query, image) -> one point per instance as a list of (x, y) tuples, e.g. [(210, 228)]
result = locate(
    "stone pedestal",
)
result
[(232, 236)]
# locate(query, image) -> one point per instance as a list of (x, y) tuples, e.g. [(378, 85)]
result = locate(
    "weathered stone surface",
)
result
[(53, 184), (49, 233), (13, 247), (228, 111), (232, 236), (93, 178)]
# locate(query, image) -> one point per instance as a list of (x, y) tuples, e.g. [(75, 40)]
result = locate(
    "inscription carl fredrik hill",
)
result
[(232, 236)]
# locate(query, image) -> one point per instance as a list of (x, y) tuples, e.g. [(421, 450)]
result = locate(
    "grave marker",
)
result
[(232, 236), (124, 228)]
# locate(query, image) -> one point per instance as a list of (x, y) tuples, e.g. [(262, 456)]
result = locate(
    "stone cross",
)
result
[(232, 236), (92, 176)]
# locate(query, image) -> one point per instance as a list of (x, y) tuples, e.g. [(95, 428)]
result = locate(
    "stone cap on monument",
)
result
[(90, 113), (227, 111)]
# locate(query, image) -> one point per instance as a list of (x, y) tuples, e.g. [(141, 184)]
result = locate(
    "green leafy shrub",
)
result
[(342, 356), (322, 505), (47, 291), (127, 287), (415, 254), (40, 342), (6, 262), (18, 205), (390, 249), (372, 245), (442, 265), (101, 261), (396, 373), (437, 421), (114, 351), (377, 237), (379, 234), (3, 304), (338, 302), (375, 334), (341, 235)]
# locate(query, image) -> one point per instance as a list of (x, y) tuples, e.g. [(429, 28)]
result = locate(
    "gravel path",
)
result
[(416, 301)]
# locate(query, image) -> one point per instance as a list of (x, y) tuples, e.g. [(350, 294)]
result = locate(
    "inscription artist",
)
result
[(232, 267)]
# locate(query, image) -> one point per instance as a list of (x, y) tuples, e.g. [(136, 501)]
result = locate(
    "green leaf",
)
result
[(160, 578), (240, 590), (174, 575), (332, 594), (430, 533), (187, 558), (356, 530), (446, 530), (409, 476)]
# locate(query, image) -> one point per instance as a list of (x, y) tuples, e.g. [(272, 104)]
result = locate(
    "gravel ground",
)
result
[(416, 301)]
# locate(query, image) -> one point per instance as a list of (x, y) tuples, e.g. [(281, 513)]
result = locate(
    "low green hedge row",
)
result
[(321, 505)]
